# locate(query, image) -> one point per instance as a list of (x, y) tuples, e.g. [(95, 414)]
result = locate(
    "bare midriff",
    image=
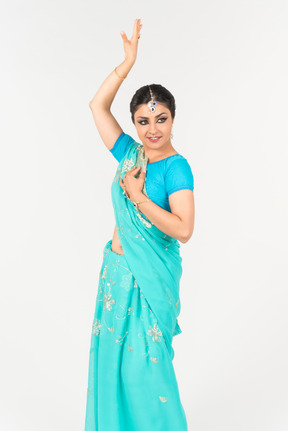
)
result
[(116, 245)]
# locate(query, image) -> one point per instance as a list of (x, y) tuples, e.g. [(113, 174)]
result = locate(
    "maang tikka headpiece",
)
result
[(152, 103)]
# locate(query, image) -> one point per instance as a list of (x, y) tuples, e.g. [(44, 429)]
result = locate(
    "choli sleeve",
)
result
[(121, 146), (179, 176)]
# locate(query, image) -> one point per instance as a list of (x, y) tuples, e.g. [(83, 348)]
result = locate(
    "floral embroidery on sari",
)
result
[(121, 339), (154, 261), (107, 302), (96, 327), (127, 165), (145, 222), (126, 280), (155, 333), (104, 272), (135, 321)]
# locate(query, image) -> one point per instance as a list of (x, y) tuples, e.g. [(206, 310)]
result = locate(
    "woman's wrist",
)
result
[(130, 61), (138, 197), (124, 68)]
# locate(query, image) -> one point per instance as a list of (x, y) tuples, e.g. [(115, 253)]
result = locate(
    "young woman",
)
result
[(132, 384)]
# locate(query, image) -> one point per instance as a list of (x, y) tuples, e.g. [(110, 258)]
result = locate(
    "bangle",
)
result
[(138, 203), (119, 75)]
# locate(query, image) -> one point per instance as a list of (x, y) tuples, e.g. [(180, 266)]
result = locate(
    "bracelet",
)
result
[(119, 75), (138, 203)]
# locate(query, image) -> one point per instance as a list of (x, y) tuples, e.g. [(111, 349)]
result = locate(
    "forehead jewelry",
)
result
[(152, 103)]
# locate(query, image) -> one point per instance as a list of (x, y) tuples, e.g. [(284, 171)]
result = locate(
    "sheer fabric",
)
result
[(132, 385)]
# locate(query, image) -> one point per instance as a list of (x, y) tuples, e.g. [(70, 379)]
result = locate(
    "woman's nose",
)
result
[(152, 128)]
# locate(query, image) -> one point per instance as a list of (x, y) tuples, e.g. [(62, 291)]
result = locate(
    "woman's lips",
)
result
[(154, 139)]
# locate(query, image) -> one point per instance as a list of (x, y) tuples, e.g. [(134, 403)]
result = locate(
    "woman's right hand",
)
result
[(130, 46)]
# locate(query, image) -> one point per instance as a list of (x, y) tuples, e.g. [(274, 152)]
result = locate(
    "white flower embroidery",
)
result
[(145, 222), (104, 272), (107, 302), (121, 339), (127, 165), (155, 333), (96, 327)]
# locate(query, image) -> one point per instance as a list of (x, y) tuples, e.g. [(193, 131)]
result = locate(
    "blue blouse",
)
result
[(163, 177)]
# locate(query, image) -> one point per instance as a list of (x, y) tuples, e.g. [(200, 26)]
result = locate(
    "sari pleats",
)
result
[(132, 384)]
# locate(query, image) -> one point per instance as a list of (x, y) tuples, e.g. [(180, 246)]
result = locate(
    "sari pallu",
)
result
[(153, 256)]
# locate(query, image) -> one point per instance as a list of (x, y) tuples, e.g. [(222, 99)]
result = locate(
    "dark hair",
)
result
[(161, 95)]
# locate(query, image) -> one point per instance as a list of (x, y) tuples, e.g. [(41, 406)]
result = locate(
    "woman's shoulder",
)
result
[(178, 174), (177, 162)]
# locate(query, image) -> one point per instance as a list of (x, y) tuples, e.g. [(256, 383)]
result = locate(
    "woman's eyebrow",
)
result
[(146, 118)]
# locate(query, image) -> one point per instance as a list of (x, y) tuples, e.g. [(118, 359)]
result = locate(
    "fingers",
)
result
[(136, 25), (136, 28), (132, 170), (124, 36), (139, 26)]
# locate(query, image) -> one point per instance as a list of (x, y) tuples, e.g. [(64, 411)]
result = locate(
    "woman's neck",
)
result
[(156, 155)]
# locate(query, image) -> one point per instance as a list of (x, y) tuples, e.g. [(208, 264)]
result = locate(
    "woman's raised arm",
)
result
[(107, 125)]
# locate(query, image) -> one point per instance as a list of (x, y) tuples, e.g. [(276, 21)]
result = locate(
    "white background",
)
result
[(226, 64)]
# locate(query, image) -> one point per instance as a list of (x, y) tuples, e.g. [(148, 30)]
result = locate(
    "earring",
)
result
[(171, 136)]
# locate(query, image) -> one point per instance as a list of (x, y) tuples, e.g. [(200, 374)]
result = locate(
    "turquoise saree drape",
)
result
[(132, 385), (153, 256)]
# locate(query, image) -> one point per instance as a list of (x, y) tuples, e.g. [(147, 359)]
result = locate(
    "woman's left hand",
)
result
[(133, 186)]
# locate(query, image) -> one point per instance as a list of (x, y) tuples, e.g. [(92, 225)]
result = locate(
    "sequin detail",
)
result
[(155, 333), (96, 327), (107, 302), (127, 165), (145, 222), (163, 399)]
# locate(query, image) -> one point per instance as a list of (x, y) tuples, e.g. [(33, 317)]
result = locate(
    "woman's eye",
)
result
[(143, 122)]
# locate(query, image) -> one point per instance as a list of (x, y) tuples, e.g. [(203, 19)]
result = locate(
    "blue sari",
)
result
[(132, 384)]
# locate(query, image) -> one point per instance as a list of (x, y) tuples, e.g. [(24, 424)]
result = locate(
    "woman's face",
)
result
[(154, 124)]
